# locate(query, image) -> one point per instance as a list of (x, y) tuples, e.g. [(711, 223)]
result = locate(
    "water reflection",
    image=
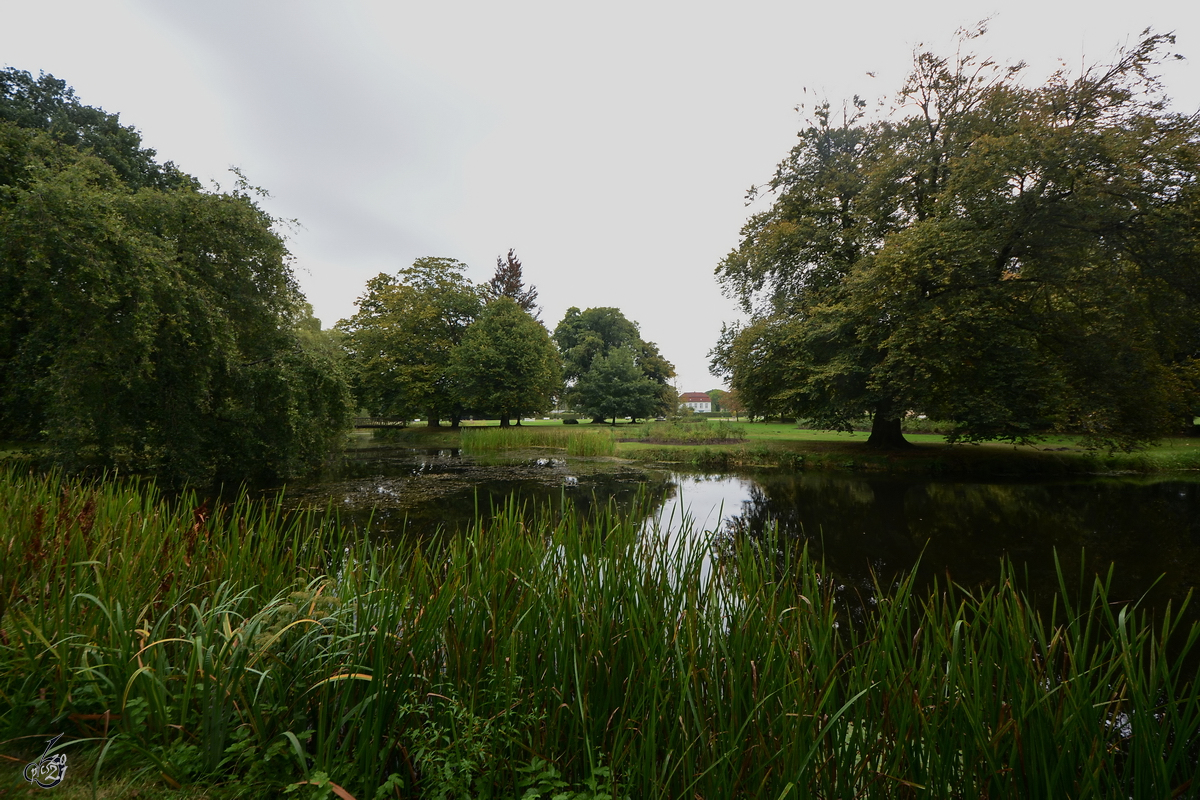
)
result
[(395, 491), (863, 527)]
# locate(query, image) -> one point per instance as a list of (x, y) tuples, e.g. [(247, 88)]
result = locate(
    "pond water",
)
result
[(864, 527)]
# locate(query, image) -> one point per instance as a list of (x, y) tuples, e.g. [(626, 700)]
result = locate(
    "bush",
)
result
[(922, 425)]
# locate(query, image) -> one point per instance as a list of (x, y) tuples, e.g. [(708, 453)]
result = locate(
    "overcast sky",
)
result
[(611, 144)]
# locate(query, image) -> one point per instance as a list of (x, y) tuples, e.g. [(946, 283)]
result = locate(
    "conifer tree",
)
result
[(508, 282)]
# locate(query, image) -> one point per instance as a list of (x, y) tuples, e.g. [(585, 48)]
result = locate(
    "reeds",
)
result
[(586, 442), (587, 657), (704, 432)]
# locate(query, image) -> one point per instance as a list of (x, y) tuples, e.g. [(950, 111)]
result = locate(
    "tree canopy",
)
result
[(506, 364), (1011, 259), (614, 387), (143, 322), (585, 336), (48, 104), (403, 336)]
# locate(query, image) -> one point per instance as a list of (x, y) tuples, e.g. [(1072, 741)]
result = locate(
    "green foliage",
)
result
[(403, 336), (506, 364), (47, 103), (147, 324), (548, 655), (585, 336), (614, 387), (1014, 260), (540, 779), (577, 442), (702, 432)]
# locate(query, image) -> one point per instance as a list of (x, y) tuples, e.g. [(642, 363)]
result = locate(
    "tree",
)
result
[(584, 336), (732, 404), (48, 104), (147, 324), (403, 336), (715, 396), (506, 364), (1014, 260), (614, 387), (507, 282)]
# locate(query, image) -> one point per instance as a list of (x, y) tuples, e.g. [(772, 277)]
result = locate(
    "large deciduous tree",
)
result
[(614, 387), (145, 323), (1013, 259), (402, 337), (585, 336), (47, 103), (506, 365)]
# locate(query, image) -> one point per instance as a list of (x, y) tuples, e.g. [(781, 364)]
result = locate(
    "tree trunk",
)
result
[(433, 422), (598, 420), (504, 422), (454, 421), (886, 433)]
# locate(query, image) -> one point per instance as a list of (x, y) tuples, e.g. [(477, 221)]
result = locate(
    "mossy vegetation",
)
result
[(238, 651)]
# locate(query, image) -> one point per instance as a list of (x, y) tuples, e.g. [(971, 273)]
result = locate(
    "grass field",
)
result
[(236, 652)]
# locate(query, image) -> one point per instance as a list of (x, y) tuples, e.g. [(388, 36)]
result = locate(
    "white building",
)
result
[(699, 402)]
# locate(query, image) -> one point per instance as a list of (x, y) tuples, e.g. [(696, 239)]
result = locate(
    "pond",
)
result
[(865, 528)]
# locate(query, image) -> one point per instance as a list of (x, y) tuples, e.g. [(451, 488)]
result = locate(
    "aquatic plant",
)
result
[(576, 441), (551, 655), (704, 432)]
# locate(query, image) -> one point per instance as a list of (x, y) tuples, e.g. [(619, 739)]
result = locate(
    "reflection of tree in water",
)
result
[(854, 526), (413, 492), (868, 528), (590, 498)]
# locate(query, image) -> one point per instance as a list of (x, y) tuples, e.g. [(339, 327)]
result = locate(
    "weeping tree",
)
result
[(1013, 259), (145, 323)]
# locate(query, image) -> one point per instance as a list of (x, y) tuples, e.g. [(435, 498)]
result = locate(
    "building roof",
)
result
[(694, 397)]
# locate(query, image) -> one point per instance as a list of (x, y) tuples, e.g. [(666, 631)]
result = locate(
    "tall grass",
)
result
[(587, 442), (704, 432), (581, 658)]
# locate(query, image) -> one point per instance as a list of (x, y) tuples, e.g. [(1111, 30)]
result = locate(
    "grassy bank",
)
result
[(238, 652), (713, 445), (785, 445)]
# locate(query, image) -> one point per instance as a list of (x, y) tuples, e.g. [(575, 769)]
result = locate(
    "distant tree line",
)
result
[(427, 343)]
